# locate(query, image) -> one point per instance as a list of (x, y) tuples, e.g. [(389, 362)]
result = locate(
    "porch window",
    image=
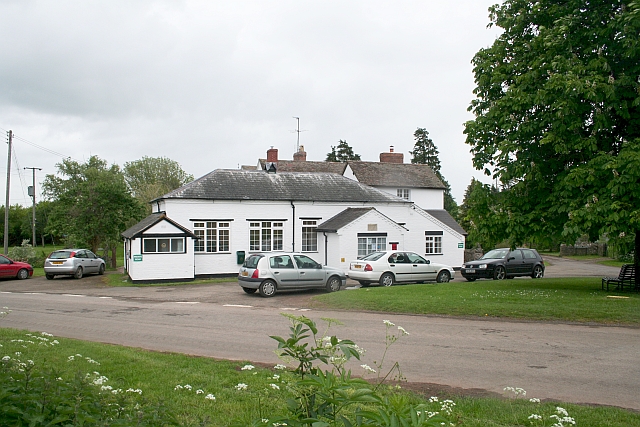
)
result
[(163, 245), (266, 236), (368, 244), (309, 236), (213, 236)]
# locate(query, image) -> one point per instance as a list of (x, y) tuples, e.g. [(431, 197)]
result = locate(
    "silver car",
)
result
[(73, 262), (270, 272)]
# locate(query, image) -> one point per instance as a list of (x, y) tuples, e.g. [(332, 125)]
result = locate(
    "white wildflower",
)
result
[(535, 417), (388, 323), (274, 386), (248, 367), (368, 368), (401, 329), (210, 397), (534, 400), (241, 386), (199, 391), (280, 367)]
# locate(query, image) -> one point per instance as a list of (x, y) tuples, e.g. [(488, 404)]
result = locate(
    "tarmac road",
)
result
[(575, 363)]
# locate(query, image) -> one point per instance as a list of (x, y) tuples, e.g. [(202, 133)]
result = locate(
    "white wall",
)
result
[(426, 198)]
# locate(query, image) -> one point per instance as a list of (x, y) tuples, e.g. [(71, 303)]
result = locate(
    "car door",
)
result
[(6, 269), (284, 271), (514, 262), (529, 260), (421, 269), (400, 266), (93, 262), (310, 273)]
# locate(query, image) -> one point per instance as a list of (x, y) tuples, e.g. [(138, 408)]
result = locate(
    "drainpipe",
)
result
[(324, 233), (293, 227)]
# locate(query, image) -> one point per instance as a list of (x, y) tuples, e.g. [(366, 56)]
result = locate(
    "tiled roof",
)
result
[(149, 222), (307, 166), (380, 174), (345, 217), (446, 218), (233, 184)]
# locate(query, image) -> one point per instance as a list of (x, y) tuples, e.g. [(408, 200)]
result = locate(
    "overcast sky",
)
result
[(213, 84)]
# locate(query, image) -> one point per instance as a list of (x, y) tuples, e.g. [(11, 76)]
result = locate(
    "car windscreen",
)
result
[(60, 255), (252, 261), (495, 254), (373, 256)]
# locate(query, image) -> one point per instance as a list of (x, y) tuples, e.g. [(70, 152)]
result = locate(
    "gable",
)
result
[(351, 215)]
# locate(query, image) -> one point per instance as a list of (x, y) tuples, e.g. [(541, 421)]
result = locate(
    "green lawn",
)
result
[(565, 299), (158, 374)]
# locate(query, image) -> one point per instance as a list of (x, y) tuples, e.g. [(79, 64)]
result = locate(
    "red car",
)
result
[(17, 269)]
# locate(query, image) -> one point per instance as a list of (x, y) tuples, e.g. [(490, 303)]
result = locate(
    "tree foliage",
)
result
[(558, 117), (152, 177), (342, 153), (91, 203), (425, 152)]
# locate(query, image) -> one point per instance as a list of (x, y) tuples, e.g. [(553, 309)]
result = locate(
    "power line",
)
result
[(33, 144)]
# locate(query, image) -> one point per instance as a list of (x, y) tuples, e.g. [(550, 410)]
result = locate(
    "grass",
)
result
[(158, 374), (119, 280), (558, 299)]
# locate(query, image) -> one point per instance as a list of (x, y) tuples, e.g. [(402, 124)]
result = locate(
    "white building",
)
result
[(206, 227)]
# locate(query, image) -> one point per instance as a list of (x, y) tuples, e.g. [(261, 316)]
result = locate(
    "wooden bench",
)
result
[(626, 277)]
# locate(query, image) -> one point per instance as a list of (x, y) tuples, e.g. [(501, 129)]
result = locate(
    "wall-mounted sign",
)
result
[(460, 245), (137, 258)]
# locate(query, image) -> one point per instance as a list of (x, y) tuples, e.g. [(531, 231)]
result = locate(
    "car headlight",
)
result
[(482, 266)]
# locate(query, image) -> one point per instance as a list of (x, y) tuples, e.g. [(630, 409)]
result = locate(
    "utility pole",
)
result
[(32, 193), (6, 205)]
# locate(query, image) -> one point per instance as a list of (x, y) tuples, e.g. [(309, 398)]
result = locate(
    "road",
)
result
[(567, 362)]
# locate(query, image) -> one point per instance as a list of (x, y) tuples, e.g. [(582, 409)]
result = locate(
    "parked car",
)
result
[(271, 272), (73, 262), (17, 269), (389, 267), (504, 263)]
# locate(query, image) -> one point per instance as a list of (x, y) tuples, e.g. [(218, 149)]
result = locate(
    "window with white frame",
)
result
[(173, 245), (266, 236), (309, 236), (213, 236), (404, 193), (433, 242), (371, 243)]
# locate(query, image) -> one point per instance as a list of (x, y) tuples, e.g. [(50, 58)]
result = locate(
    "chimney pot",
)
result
[(391, 149)]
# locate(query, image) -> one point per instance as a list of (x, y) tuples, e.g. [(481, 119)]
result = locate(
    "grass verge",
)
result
[(119, 279), (159, 374), (558, 299)]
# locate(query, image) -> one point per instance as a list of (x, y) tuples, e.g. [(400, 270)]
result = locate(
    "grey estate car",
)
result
[(271, 272), (73, 262)]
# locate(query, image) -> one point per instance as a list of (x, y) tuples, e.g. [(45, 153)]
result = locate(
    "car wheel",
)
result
[(538, 272), (49, 276), (101, 269), (22, 274), (386, 279), (334, 283), (249, 290), (78, 273), (500, 273), (267, 288), (363, 283), (443, 277), (470, 279)]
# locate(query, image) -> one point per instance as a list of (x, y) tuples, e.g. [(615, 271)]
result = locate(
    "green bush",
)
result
[(26, 253)]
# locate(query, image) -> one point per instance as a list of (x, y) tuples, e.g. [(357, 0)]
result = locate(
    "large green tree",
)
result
[(425, 152), (342, 153), (152, 177), (91, 204), (481, 216), (558, 117)]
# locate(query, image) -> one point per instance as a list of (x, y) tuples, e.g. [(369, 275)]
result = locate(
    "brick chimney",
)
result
[(391, 157), (301, 155), (272, 155)]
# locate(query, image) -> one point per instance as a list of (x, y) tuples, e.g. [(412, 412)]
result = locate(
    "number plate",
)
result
[(245, 273), (470, 270), (357, 266), (57, 262)]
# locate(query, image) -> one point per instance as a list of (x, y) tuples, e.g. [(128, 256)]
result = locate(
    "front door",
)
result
[(421, 269), (309, 271)]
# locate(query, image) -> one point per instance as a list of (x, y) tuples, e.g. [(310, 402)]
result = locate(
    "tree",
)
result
[(92, 204), (481, 217), (18, 216), (426, 153), (152, 177), (342, 153), (558, 117)]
